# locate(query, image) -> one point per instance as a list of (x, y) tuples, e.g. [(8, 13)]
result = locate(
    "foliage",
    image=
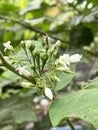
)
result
[(75, 25), (81, 104), (16, 109)]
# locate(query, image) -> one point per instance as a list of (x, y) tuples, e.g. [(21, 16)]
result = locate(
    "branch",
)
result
[(30, 27), (35, 29)]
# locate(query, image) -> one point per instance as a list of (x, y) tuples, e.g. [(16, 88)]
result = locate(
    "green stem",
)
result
[(70, 124), (25, 50), (33, 58), (43, 65), (38, 63), (14, 70)]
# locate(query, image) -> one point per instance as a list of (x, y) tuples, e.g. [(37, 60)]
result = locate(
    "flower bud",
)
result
[(48, 93), (35, 53), (32, 67), (57, 44), (56, 78), (44, 57), (23, 71), (30, 45), (26, 84)]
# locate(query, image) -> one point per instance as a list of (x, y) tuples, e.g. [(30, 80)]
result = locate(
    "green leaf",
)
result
[(82, 104), (65, 79), (17, 109), (92, 84)]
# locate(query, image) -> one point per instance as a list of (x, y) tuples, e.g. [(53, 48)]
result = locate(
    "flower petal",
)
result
[(67, 59), (75, 58)]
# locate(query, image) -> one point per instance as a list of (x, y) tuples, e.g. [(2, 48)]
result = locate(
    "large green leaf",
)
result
[(65, 79), (82, 104), (92, 83)]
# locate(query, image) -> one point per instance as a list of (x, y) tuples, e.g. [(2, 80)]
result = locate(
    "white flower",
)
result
[(75, 58), (8, 46), (48, 93), (23, 71), (65, 60)]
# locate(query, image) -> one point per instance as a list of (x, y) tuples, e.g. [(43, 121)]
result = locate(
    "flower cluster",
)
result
[(40, 63), (66, 59)]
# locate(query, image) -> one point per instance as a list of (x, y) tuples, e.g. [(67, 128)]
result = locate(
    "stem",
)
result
[(25, 49), (47, 42), (70, 124), (43, 65), (11, 68), (38, 63), (33, 58)]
